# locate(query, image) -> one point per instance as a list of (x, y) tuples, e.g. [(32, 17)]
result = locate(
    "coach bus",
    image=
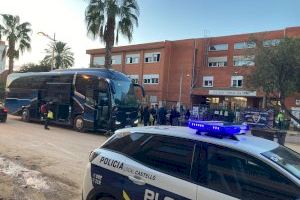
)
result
[(87, 99)]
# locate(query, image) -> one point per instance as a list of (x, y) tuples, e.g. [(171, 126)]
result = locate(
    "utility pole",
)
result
[(53, 49)]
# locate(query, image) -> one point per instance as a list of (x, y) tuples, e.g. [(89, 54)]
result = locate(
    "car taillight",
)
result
[(5, 110)]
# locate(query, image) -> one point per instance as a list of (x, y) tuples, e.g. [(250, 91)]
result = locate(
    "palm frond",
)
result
[(63, 56)]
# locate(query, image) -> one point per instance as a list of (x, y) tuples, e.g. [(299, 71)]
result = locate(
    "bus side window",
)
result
[(90, 97), (103, 93), (81, 85)]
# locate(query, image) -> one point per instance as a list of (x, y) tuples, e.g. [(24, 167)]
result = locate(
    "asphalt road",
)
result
[(39, 164), (59, 155)]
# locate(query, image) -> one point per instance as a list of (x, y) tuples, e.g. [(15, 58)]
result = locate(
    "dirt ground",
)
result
[(40, 164), (55, 157)]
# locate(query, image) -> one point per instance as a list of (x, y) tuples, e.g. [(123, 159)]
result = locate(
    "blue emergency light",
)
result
[(218, 128)]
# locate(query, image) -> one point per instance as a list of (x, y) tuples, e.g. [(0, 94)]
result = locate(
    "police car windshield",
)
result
[(286, 158), (124, 95)]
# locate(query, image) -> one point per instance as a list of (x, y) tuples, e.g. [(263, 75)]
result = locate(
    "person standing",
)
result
[(146, 116), (162, 116), (174, 116), (153, 113), (187, 114), (44, 112), (280, 119)]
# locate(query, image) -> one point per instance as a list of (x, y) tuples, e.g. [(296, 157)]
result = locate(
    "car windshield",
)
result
[(124, 95), (286, 158)]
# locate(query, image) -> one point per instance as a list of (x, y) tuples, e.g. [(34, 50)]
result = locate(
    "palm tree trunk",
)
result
[(11, 50), (109, 42), (10, 64)]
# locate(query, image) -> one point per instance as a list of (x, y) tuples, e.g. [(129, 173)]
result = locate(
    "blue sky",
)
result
[(159, 20), (176, 19)]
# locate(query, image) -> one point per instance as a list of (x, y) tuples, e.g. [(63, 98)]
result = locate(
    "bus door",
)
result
[(104, 105), (90, 111)]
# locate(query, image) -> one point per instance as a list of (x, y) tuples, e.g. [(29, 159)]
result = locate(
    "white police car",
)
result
[(172, 163)]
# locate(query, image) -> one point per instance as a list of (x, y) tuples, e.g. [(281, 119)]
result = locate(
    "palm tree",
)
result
[(17, 36), (63, 57), (105, 17)]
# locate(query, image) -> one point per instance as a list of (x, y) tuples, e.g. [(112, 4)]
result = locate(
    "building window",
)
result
[(218, 47), (239, 61), (271, 43), (134, 78), (153, 99), (208, 81), (217, 61), (132, 58), (237, 81), (244, 45), (116, 60), (151, 78), (98, 61), (152, 57)]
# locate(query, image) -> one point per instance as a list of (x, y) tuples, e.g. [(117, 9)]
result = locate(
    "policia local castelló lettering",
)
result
[(120, 165)]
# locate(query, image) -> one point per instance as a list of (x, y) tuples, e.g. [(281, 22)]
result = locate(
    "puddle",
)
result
[(28, 177)]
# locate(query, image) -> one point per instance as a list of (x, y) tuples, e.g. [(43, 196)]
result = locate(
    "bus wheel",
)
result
[(79, 123), (25, 115)]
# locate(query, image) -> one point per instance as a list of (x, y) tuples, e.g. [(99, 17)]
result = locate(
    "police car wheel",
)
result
[(79, 123), (25, 115)]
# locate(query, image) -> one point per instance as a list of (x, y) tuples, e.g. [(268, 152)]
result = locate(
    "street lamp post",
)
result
[(53, 40), (180, 87)]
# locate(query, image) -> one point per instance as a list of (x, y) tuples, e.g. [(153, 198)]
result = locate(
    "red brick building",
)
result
[(195, 71)]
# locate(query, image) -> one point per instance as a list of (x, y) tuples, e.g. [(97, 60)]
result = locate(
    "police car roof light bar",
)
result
[(217, 128)]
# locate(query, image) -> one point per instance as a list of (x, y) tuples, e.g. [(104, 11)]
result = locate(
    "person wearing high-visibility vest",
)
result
[(280, 119), (47, 113)]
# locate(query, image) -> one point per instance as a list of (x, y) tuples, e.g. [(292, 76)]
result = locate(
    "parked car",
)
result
[(168, 163), (3, 113)]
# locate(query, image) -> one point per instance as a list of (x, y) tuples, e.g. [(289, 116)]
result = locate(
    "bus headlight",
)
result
[(136, 121), (117, 123)]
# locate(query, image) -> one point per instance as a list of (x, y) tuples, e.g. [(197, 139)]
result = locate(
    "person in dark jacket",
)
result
[(187, 114), (146, 116), (162, 116), (174, 117), (153, 112)]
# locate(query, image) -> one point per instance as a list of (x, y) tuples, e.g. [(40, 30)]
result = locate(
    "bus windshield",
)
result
[(286, 158), (124, 95)]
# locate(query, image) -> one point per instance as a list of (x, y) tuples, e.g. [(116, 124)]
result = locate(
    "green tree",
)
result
[(17, 35), (105, 17), (277, 70), (31, 67), (63, 56)]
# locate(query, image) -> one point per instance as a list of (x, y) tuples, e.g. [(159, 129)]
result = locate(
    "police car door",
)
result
[(210, 183), (162, 170)]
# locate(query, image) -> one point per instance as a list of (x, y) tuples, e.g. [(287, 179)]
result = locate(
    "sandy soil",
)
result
[(57, 156)]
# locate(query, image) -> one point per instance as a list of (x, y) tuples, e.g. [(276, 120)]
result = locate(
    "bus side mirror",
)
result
[(141, 87)]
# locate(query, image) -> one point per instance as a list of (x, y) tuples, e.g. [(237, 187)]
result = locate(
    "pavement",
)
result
[(40, 164)]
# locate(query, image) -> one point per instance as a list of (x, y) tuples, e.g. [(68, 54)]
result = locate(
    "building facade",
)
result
[(196, 71), (2, 60)]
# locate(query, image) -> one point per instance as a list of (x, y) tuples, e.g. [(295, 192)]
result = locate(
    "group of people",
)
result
[(158, 116)]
